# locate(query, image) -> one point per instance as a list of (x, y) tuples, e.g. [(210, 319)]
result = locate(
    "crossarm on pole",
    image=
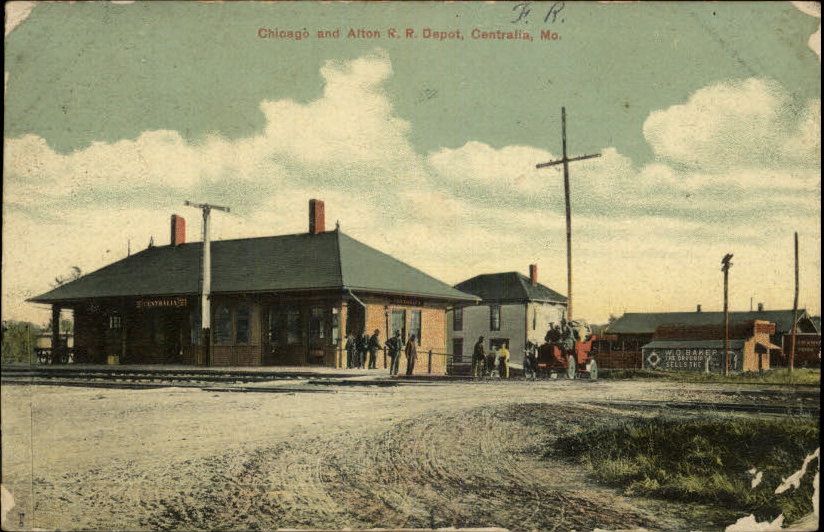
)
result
[(569, 160)]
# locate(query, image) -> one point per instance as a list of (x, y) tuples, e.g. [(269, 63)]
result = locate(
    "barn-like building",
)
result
[(622, 344), (280, 300)]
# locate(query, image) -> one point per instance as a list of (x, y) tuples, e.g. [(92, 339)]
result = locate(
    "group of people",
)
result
[(496, 361), (563, 336), (362, 351), (493, 363)]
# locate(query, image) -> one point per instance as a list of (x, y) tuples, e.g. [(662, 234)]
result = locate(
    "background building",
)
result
[(513, 309), (701, 347), (621, 345), (281, 300)]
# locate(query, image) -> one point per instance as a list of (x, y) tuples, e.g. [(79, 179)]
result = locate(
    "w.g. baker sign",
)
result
[(689, 358)]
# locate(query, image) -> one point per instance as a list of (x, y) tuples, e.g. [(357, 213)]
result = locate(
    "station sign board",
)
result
[(162, 302)]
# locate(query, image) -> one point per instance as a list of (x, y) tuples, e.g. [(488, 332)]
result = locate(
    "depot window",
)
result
[(317, 323), (415, 326), (242, 325), (293, 335), (223, 325)]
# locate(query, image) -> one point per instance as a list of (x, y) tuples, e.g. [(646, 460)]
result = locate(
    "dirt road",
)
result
[(457, 454)]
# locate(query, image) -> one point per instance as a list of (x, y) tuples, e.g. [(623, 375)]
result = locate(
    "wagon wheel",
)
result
[(593, 370), (571, 367)]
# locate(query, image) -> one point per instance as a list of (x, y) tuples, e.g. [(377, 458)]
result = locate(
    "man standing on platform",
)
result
[(394, 346), (478, 358), (503, 362), (363, 349), (374, 346), (351, 351), (411, 354)]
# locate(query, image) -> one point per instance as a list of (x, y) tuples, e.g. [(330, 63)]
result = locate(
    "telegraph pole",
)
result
[(565, 160), (795, 310), (206, 281), (725, 267)]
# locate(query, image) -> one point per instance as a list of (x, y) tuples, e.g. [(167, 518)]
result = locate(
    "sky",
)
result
[(706, 116)]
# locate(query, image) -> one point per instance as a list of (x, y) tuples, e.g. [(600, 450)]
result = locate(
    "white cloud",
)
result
[(16, 13), (747, 123), (814, 10)]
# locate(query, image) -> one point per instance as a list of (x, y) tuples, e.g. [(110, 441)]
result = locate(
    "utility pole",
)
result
[(565, 160), (795, 310), (725, 267), (206, 281)]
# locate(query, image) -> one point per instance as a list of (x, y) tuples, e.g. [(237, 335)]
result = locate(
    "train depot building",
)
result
[(513, 309), (629, 340), (281, 301)]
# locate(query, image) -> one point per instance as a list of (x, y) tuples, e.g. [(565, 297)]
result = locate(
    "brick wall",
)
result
[(433, 335), (236, 355)]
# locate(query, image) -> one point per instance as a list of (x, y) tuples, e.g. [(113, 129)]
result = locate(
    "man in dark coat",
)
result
[(394, 346), (363, 350), (553, 335), (411, 354), (351, 351), (374, 346), (478, 358)]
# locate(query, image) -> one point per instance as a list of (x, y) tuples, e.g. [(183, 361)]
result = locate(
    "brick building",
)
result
[(701, 347), (280, 300), (513, 309), (620, 346)]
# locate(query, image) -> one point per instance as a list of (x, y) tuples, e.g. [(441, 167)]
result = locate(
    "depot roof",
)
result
[(329, 260)]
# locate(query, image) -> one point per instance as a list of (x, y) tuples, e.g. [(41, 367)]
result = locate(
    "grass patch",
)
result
[(703, 461), (799, 377)]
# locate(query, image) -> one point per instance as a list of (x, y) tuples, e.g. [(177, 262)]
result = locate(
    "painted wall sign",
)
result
[(689, 359), (162, 302)]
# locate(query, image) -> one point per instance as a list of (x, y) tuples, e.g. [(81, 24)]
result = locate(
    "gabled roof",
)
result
[(330, 260), (509, 286), (647, 322)]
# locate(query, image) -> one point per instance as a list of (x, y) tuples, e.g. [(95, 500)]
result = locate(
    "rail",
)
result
[(432, 359)]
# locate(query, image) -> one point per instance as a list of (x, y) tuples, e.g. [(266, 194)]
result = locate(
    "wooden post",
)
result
[(429, 364), (726, 323), (55, 334), (795, 310), (568, 214), (565, 160), (123, 335), (386, 318), (725, 267), (29, 349)]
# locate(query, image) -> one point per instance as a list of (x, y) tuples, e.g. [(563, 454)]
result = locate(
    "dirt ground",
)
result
[(415, 455)]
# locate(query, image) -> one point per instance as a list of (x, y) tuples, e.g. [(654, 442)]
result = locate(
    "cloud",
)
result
[(732, 154), (748, 123), (16, 13), (814, 10)]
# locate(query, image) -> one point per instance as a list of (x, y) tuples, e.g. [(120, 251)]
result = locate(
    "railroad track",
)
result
[(210, 380), (765, 408)]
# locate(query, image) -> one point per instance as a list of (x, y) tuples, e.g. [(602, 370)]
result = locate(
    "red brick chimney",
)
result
[(317, 220), (178, 230), (533, 274)]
